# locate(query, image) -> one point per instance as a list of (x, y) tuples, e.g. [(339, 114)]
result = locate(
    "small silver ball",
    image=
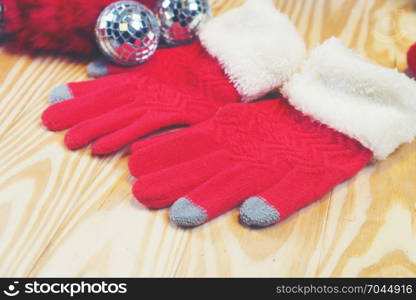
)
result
[(127, 33), (180, 19)]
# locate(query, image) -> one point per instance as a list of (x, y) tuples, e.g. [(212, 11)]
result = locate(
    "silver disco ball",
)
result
[(180, 19), (127, 33)]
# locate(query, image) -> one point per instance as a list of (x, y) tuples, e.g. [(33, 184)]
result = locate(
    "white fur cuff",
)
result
[(258, 47), (370, 103)]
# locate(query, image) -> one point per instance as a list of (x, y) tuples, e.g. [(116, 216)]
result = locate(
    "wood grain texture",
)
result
[(67, 213)]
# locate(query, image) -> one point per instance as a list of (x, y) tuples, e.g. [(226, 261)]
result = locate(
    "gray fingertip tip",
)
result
[(256, 212), (97, 68), (186, 214), (59, 94)]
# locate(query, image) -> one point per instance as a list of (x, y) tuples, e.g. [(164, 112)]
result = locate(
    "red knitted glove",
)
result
[(273, 155), (54, 25), (245, 150), (184, 85)]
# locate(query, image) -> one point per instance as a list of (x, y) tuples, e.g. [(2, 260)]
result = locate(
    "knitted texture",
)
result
[(179, 86), (183, 85), (62, 26), (266, 149)]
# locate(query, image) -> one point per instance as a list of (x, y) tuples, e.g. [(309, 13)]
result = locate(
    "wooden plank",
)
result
[(67, 213)]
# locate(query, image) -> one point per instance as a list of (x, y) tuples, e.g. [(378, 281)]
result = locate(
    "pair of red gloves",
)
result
[(274, 156)]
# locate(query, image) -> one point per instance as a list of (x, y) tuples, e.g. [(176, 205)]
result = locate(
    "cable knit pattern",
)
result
[(243, 151), (179, 86), (184, 85)]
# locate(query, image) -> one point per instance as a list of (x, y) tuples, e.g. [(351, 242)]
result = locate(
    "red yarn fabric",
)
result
[(62, 26), (184, 85), (266, 149), (411, 59)]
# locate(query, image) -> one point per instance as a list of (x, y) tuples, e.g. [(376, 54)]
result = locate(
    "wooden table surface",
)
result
[(66, 213)]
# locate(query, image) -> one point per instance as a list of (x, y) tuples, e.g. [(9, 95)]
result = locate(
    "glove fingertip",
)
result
[(97, 68), (143, 195), (255, 212), (132, 165), (60, 93), (73, 141), (184, 213)]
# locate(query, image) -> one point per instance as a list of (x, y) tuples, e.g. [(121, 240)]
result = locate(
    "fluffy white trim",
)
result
[(370, 103), (258, 47)]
